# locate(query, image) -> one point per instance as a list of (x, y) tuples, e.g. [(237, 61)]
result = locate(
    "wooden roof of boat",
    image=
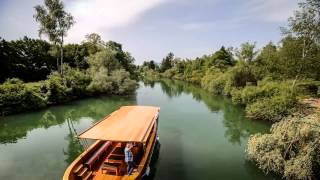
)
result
[(127, 124)]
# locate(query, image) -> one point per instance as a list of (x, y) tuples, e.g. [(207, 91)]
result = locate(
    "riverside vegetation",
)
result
[(36, 73), (270, 83), (104, 74)]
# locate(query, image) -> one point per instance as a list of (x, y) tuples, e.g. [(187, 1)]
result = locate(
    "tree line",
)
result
[(36, 73)]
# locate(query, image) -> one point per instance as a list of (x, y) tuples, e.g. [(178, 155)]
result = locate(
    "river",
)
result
[(202, 136)]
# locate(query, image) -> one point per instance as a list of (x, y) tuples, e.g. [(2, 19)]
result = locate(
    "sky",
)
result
[(150, 29)]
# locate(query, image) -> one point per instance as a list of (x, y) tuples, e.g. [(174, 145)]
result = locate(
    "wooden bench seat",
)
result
[(77, 169), (83, 171), (97, 154), (111, 167), (87, 175)]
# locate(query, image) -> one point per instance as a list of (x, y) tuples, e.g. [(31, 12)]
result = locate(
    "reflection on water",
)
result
[(202, 136), (237, 125)]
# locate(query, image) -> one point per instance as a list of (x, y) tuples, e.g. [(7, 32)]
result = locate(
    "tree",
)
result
[(305, 25), (247, 52), (94, 38), (76, 55), (152, 65), (268, 62), (167, 62), (93, 42), (54, 22), (26, 58), (221, 59), (149, 64)]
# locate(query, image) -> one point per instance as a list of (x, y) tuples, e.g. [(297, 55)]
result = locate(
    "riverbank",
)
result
[(267, 99), (293, 145), (17, 96)]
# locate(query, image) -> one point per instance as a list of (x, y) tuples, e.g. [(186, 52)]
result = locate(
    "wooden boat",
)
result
[(104, 159)]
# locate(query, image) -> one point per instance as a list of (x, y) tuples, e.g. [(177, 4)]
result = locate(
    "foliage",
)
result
[(220, 59), (246, 52), (15, 96), (150, 65), (26, 59), (291, 149), (122, 83), (54, 22), (76, 55), (269, 100), (105, 58), (167, 62), (101, 82), (272, 109), (56, 89), (214, 81), (77, 81)]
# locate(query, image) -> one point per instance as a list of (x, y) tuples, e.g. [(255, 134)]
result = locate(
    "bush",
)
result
[(214, 81), (240, 75), (122, 82), (271, 109), (15, 96), (169, 73), (105, 58), (101, 83), (57, 91), (236, 95), (118, 82), (77, 81), (269, 100), (291, 149)]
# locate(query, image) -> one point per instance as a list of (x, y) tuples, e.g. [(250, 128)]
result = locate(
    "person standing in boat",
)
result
[(129, 158)]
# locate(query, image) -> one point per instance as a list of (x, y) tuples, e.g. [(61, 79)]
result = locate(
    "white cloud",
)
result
[(271, 10), (101, 16), (216, 25)]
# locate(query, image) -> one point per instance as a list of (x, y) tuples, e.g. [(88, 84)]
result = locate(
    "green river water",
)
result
[(202, 136)]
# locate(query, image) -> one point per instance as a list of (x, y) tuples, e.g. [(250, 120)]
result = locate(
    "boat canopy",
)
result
[(127, 124)]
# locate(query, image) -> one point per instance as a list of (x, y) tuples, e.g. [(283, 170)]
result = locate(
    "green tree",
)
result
[(54, 22), (268, 62), (305, 25), (93, 43), (26, 58), (152, 65), (247, 52), (167, 62), (221, 59), (104, 59), (149, 64), (75, 55)]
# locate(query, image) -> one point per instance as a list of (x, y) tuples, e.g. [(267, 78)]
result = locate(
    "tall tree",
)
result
[(305, 25), (54, 22), (152, 65), (167, 62), (221, 59), (247, 52)]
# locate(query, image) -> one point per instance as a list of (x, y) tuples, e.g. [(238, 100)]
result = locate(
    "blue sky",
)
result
[(149, 29)]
